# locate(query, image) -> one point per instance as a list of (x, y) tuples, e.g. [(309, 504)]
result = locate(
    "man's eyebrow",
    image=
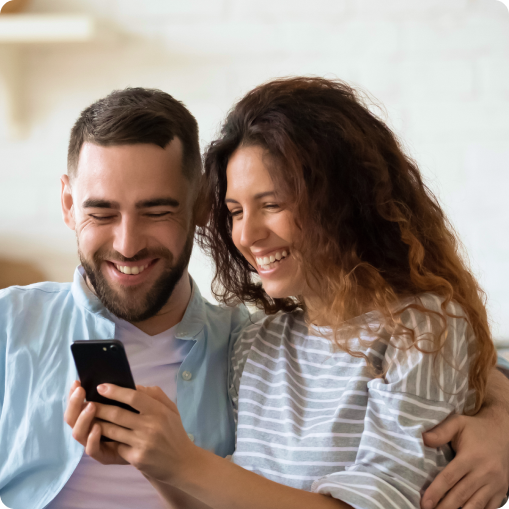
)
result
[(158, 202), (258, 196), (100, 204)]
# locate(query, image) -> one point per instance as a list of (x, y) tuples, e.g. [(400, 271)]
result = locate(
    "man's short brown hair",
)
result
[(137, 115)]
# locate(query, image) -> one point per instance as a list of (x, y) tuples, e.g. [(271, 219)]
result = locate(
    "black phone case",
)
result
[(101, 361)]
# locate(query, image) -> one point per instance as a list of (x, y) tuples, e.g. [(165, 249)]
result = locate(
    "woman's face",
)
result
[(263, 230)]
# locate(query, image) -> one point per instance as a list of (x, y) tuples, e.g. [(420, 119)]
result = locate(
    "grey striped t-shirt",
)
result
[(315, 418)]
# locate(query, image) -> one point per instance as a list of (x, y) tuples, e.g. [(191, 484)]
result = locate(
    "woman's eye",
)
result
[(272, 206), (235, 212)]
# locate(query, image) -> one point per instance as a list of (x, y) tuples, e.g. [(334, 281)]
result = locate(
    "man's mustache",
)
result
[(160, 252)]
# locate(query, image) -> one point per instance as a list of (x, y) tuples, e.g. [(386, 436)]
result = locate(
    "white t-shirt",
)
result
[(154, 360)]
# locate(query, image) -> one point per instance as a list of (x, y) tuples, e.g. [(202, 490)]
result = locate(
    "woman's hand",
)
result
[(478, 477), (80, 416), (154, 441)]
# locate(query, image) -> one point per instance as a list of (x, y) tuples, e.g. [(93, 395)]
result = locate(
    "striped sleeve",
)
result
[(238, 356), (393, 468)]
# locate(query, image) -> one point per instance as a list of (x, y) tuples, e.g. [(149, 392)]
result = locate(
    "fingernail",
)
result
[(102, 388), (89, 407), (75, 392), (428, 504)]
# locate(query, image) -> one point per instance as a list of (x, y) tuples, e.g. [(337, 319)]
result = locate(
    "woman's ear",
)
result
[(67, 202)]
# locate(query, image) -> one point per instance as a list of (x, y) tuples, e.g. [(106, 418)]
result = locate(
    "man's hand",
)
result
[(478, 476)]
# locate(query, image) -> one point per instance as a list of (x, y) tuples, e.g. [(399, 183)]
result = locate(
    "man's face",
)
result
[(130, 207)]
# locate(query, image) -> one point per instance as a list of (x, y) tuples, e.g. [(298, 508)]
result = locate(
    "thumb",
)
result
[(445, 432), (158, 394)]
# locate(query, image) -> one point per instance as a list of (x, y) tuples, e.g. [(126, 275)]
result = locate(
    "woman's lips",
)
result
[(268, 261)]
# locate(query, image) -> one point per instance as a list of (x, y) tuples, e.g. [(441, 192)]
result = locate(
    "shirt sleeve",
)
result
[(240, 346), (393, 468)]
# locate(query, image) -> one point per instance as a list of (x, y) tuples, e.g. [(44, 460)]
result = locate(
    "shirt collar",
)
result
[(189, 327)]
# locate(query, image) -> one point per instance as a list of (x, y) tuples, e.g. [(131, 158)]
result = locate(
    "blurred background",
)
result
[(440, 68)]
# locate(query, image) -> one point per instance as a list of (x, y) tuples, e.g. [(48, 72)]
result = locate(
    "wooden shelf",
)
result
[(17, 31)]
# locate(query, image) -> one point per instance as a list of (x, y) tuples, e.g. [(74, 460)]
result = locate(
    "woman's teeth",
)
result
[(264, 262), (131, 270)]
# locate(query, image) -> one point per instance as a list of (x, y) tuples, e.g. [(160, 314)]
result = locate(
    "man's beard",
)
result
[(128, 304)]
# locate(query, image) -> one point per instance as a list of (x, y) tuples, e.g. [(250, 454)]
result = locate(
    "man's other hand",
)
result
[(478, 476)]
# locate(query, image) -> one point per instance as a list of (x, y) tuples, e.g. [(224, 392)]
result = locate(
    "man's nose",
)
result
[(129, 238), (253, 230)]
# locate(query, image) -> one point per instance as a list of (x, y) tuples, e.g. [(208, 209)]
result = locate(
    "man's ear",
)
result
[(201, 210), (67, 202)]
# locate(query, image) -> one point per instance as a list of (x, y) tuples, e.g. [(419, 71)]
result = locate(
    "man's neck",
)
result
[(172, 312)]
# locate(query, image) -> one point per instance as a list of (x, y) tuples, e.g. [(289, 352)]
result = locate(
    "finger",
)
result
[(444, 433), (118, 433), (83, 424), (443, 483), (138, 400), (105, 453), (75, 406), (481, 498), (495, 502), (159, 395), (463, 491), (74, 386), (117, 415)]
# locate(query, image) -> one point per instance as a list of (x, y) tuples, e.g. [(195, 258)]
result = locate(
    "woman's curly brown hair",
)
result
[(371, 231)]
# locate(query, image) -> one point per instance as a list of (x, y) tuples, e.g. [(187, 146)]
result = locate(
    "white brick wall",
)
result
[(440, 67)]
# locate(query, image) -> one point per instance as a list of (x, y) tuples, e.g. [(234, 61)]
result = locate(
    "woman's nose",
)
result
[(253, 230)]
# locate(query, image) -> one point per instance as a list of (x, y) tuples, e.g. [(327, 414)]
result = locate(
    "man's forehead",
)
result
[(94, 156), (140, 172)]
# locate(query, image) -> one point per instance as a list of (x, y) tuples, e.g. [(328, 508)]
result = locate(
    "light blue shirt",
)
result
[(38, 323)]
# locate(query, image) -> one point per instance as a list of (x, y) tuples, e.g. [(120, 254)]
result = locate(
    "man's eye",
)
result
[(158, 214), (101, 218)]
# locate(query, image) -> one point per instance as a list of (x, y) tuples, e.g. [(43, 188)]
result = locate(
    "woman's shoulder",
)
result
[(429, 351), (429, 305), (276, 323)]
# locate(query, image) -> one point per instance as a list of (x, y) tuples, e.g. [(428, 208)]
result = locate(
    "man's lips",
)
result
[(133, 268), (130, 273)]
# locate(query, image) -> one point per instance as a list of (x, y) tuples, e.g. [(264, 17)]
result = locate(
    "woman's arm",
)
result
[(156, 443), (479, 474), (225, 485)]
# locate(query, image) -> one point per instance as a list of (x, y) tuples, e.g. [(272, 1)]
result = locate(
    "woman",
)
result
[(376, 330)]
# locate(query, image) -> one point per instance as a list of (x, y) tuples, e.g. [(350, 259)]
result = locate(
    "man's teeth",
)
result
[(265, 261), (131, 270)]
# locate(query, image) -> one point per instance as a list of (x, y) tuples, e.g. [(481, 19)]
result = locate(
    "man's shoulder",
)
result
[(35, 293), (235, 316)]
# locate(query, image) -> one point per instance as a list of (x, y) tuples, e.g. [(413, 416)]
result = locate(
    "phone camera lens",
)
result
[(113, 348)]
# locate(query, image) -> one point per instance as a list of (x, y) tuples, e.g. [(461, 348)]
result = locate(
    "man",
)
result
[(131, 196)]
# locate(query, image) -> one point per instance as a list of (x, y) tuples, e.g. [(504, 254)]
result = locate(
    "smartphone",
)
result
[(100, 361)]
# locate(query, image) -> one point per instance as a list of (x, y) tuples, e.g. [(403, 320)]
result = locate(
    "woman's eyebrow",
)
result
[(258, 196)]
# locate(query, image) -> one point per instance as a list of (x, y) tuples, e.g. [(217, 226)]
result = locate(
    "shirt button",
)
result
[(190, 436), (187, 375)]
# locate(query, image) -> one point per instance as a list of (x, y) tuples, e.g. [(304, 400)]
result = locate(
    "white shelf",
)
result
[(17, 31), (40, 28)]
